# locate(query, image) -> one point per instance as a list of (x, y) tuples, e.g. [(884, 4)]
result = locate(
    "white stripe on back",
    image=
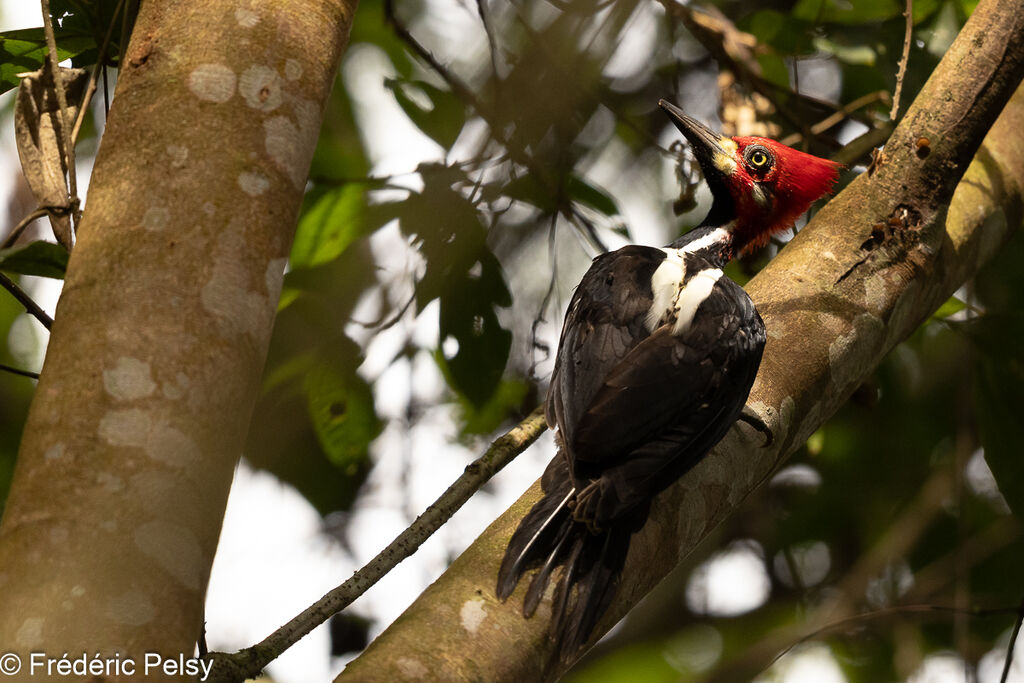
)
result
[(693, 295), (665, 285)]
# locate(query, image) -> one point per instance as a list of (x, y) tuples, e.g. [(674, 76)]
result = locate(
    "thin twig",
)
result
[(19, 371), (250, 661), (1013, 639), (383, 323), (66, 124), (13, 236), (887, 612), (539, 318), (94, 76), (584, 226), (26, 301), (837, 116), (106, 95), (908, 36), (492, 42), (122, 44)]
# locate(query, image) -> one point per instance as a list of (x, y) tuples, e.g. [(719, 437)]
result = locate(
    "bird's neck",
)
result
[(716, 244)]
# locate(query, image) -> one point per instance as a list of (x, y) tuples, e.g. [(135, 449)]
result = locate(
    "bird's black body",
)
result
[(657, 356), (638, 402)]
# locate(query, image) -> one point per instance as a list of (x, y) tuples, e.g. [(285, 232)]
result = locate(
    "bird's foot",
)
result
[(584, 505), (758, 424)]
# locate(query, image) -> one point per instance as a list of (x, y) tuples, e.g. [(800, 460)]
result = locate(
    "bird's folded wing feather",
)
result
[(671, 389)]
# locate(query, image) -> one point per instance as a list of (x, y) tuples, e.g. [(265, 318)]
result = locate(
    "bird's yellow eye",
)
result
[(759, 160)]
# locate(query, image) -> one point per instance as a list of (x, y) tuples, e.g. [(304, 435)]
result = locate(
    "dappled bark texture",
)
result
[(161, 333), (871, 266)]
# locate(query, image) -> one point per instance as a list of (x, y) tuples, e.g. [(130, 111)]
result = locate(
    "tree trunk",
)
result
[(871, 266), (160, 336)]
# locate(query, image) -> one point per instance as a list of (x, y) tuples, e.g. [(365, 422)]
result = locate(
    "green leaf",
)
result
[(525, 188), (447, 230), (331, 220), (668, 658), (581, 191), (923, 9), (341, 409), (774, 70), (845, 12), (462, 272), (485, 419), (442, 120), (851, 54), (951, 306), (282, 440), (787, 34), (25, 50), (41, 258), (91, 20), (765, 24), (468, 316)]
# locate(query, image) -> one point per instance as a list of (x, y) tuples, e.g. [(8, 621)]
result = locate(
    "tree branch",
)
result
[(16, 231), (251, 661), (154, 364), (904, 58), (66, 124), (25, 300), (19, 371), (1013, 640), (835, 301)]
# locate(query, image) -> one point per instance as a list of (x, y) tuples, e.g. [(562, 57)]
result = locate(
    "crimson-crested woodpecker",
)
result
[(657, 356)]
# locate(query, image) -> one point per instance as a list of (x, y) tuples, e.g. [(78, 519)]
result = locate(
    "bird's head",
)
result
[(760, 186)]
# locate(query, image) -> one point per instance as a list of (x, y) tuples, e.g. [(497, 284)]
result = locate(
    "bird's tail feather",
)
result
[(549, 537)]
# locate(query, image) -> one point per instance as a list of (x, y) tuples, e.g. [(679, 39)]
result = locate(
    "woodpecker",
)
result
[(657, 356)]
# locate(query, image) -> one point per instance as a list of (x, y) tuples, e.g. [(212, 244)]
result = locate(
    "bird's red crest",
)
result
[(770, 199)]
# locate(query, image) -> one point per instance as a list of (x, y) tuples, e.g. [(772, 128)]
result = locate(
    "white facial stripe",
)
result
[(726, 163), (665, 285), (693, 295), (717, 235)]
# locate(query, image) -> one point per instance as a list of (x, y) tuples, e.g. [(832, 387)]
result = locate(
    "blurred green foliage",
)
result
[(546, 116)]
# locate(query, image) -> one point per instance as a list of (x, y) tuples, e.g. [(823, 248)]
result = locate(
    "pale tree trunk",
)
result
[(870, 267), (160, 335)]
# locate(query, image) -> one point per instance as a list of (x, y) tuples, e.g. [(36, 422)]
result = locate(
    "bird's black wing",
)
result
[(668, 401), (605, 320)]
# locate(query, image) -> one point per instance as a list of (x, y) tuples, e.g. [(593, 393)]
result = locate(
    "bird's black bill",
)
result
[(706, 142)]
